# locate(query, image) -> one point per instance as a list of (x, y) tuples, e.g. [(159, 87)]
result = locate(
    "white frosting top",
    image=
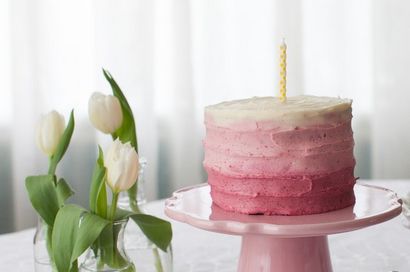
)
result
[(295, 111)]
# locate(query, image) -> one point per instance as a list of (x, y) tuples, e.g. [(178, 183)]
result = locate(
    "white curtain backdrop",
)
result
[(173, 57)]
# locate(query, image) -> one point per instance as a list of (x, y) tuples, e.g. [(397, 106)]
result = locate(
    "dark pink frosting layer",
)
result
[(268, 205), (284, 186)]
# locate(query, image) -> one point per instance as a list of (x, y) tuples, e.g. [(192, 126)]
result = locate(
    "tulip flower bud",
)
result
[(105, 112), (121, 161), (49, 130)]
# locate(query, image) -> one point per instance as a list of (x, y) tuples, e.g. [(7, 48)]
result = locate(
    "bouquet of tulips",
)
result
[(72, 229)]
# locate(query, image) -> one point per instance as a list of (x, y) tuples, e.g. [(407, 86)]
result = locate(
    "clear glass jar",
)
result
[(42, 238), (143, 253), (108, 252)]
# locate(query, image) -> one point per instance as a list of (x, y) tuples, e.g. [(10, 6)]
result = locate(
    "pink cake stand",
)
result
[(283, 243)]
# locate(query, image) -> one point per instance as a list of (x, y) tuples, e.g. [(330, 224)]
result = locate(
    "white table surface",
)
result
[(381, 248)]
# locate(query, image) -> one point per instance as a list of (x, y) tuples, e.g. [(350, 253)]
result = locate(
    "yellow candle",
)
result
[(282, 82)]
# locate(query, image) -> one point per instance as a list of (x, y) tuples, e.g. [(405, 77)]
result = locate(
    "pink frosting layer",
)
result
[(259, 143), (313, 151), (285, 186), (271, 170), (268, 205)]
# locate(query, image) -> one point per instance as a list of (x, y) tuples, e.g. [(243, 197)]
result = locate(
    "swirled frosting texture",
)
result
[(265, 156)]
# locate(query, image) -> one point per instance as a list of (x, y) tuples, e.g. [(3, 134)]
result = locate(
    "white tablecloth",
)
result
[(381, 248)]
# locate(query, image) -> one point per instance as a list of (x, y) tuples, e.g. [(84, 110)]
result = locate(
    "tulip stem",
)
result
[(52, 167), (158, 264), (113, 206)]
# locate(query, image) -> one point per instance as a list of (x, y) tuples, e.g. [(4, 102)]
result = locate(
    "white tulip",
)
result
[(49, 130), (121, 161), (105, 112)]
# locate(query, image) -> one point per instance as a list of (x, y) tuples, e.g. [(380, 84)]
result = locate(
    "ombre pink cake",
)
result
[(264, 156)]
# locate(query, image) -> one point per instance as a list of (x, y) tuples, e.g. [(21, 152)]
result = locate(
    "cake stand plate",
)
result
[(283, 243)]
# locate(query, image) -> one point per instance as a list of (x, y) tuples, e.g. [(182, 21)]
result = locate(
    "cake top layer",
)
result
[(303, 110)]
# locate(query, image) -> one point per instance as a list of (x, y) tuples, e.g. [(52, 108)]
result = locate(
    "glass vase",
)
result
[(108, 252), (143, 253), (41, 242)]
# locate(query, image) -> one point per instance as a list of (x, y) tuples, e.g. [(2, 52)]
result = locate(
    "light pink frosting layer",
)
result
[(268, 153), (271, 167)]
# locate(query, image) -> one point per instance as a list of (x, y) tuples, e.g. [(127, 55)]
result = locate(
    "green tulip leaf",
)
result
[(90, 228), (98, 191), (126, 133), (155, 229), (74, 231), (43, 196), (64, 191), (62, 144), (121, 214)]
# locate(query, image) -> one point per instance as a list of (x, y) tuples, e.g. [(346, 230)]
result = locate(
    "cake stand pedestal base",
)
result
[(267, 253), (283, 243)]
